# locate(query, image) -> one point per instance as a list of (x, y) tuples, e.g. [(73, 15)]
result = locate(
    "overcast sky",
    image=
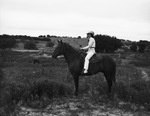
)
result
[(125, 19)]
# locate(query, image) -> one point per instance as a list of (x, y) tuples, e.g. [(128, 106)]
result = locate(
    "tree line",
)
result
[(104, 43), (140, 46), (25, 37)]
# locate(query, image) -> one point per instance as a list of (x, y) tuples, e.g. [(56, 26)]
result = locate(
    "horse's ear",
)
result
[(58, 41)]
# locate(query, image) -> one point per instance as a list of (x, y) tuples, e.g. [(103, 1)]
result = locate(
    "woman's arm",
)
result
[(89, 44)]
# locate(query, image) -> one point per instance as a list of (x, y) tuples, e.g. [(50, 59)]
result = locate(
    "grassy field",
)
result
[(50, 84)]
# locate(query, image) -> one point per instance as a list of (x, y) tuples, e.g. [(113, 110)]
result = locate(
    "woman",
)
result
[(91, 50)]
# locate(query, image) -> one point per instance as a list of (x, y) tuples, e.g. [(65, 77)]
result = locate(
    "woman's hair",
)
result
[(91, 35)]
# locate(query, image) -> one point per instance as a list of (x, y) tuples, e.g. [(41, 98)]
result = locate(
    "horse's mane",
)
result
[(74, 48)]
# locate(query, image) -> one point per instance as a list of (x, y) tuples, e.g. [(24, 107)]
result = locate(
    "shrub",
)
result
[(142, 46), (79, 37), (50, 44), (133, 47), (107, 43), (7, 43), (50, 88), (30, 45), (143, 60), (34, 94)]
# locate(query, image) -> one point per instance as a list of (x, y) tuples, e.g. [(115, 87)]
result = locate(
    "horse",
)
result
[(75, 60)]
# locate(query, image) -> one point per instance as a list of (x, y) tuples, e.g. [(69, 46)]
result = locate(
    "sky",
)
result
[(124, 19)]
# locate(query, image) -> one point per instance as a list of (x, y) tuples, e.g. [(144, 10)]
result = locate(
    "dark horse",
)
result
[(75, 60)]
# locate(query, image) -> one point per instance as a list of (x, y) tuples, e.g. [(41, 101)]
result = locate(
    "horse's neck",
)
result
[(70, 54)]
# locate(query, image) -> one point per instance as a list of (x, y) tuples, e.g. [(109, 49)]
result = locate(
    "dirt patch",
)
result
[(84, 107)]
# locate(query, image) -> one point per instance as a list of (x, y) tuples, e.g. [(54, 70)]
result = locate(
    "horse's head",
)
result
[(58, 50)]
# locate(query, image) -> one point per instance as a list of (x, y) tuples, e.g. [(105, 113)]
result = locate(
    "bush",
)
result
[(140, 63), (32, 93), (136, 92), (43, 90), (142, 46), (133, 47), (11, 95), (107, 43), (50, 88), (50, 44), (30, 45), (141, 60), (7, 43)]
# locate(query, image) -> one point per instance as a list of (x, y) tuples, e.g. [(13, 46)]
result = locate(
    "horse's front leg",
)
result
[(76, 82), (109, 82)]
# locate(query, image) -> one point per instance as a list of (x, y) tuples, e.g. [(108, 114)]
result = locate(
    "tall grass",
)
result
[(130, 86), (33, 94), (141, 60), (24, 83)]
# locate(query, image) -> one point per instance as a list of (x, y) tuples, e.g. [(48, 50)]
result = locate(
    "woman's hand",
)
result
[(85, 48)]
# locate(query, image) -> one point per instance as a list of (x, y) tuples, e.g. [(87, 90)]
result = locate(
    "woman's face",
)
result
[(88, 35)]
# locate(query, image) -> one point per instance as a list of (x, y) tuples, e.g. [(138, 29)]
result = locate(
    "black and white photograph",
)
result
[(74, 57)]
